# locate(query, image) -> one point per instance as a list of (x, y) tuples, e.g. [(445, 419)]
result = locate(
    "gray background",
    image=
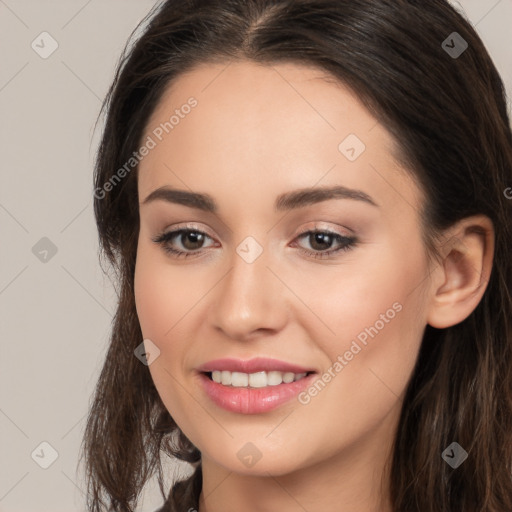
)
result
[(56, 309)]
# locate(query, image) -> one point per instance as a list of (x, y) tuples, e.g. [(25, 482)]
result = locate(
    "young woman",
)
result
[(308, 208)]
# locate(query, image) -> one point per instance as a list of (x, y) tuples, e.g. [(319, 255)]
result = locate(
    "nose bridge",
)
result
[(246, 299)]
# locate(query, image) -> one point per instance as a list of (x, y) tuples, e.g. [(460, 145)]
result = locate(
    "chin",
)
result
[(250, 460)]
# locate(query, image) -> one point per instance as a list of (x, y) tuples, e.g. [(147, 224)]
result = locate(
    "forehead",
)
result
[(278, 124), (264, 98)]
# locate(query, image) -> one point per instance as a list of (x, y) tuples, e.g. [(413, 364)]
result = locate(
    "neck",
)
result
[(356, 479)]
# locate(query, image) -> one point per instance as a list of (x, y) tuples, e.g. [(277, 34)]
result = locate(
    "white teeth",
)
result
[(257, 380), (288, 377), (274, 378), (254, 380), (239, 380), (226, 378)]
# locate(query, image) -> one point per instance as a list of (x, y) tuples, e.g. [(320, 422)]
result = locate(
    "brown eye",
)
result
[(322, 241), (191, 240)]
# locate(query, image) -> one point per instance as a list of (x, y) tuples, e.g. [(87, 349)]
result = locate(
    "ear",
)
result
[(461, 278)]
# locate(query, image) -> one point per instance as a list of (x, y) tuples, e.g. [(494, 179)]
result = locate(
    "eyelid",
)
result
[(321, 226), (192, 226), (347, 242), (316, 226)]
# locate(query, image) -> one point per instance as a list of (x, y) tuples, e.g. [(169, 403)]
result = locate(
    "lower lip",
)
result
[(253, 400)]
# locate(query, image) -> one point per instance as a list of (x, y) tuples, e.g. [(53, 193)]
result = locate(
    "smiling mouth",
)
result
[(254, 380)]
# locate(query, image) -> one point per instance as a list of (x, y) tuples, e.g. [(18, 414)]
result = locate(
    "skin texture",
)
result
[(257, 132)]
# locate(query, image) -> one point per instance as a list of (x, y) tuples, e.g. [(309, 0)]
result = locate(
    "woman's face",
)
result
[(349, 303)]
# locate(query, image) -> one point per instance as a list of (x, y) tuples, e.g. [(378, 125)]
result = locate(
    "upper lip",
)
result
[(258, 364)]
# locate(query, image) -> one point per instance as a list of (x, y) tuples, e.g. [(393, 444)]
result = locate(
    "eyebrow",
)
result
[(287, 201)]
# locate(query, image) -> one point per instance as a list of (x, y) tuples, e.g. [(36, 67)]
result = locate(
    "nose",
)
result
[(249, 300)]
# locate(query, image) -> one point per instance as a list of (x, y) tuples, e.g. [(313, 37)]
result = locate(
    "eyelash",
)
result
[(164, 238)]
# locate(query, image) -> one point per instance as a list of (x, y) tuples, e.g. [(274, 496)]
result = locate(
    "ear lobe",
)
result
[(463, 273)]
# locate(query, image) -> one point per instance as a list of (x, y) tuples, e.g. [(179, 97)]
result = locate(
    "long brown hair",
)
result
[(448, 114)]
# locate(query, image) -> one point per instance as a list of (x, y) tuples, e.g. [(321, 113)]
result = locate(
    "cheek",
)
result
[(374, 297), (163, 295), (379, 320), (167, 303), (162, 300), (152, 301)]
